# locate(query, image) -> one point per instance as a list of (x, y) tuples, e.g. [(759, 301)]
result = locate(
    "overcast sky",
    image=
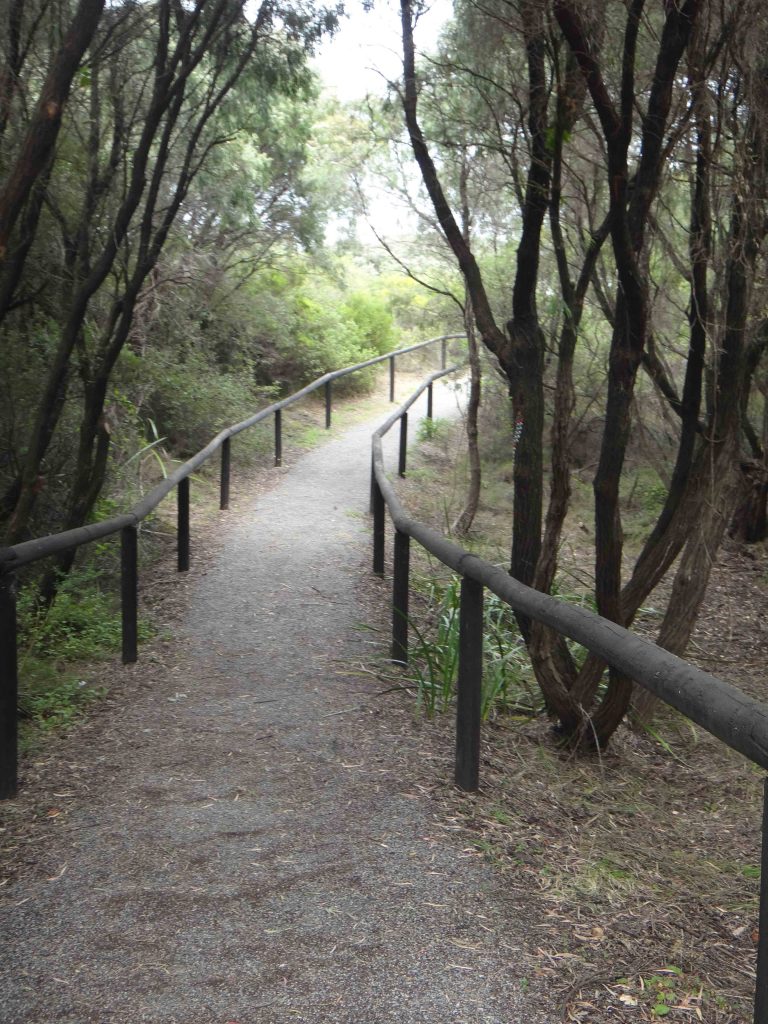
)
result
[(366, 51)]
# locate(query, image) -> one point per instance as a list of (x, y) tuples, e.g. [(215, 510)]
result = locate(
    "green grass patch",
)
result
[(434, 430), (508, 683), (82, 625)]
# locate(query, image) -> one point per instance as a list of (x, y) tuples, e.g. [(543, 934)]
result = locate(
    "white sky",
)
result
[(366, 51), (362, 57)]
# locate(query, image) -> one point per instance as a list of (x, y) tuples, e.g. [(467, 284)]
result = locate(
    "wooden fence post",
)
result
[(278, 437), (226, 456), (403, 455), (129, 590), (470, 686), (182, 509), (9, 688), (377, 499), (400, 586)]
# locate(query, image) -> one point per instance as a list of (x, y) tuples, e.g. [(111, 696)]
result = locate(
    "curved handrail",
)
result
[(722, 709), (126, 524), (14, 557)]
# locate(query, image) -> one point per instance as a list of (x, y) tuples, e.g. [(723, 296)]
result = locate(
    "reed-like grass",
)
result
[(508, 683)]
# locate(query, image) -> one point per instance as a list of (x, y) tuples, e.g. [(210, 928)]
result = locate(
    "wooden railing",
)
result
[(724, 711), (127, 524)]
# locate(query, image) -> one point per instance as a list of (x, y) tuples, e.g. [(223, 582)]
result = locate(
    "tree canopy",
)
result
[(139, 139)]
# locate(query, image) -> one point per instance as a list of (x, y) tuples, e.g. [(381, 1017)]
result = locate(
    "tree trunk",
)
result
[(466, 517), (750, 520), (693, 573), (36, 150), (629, 213), (164, 109)]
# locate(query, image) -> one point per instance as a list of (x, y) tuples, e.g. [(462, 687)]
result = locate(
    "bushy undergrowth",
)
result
[(308, 326), (82, 625), (434, 430), (185, 402)]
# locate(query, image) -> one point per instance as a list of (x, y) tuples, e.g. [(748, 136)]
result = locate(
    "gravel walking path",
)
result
[(249, 846)]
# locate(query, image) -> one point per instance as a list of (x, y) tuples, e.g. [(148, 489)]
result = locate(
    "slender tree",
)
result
[(594, 141)]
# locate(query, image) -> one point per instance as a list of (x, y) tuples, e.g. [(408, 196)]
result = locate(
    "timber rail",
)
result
[(724, 711), (127, 525)]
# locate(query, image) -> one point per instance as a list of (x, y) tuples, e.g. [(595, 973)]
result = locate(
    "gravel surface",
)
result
[(251, 843)]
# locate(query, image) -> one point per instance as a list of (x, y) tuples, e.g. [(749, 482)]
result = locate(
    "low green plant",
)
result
[(508, 685), (665, 991), (62, 704), (431, 429), (435, 655), (81, 625)]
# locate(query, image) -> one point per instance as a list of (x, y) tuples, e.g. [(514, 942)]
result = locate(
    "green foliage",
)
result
[(186, 401), (645, 494), (308, 321), (552, 138), (662, 993), (327, 340), (82, 625), (646, 491), (508, 685), (373, 320), (165, 263), (433, 429), (435, 653), (61, 702)]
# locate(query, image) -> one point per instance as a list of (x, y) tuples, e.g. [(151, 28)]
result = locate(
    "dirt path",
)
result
[(247, 841)]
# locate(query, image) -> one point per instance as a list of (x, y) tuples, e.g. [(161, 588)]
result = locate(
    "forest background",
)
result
[(190, 226)]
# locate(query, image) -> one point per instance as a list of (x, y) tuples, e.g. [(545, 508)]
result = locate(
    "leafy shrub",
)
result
[(375, 327), (61, 702), (83, 624), (435, 430), (308, 323), (324, 340), (188, 402)]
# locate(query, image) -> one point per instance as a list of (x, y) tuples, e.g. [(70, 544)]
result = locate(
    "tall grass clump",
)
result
[(508, 688)]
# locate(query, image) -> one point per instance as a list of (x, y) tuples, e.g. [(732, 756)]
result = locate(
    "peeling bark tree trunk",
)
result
[(467, 515)]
